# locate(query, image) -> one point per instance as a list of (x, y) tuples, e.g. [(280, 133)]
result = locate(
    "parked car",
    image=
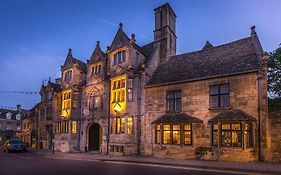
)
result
[(14, 145)]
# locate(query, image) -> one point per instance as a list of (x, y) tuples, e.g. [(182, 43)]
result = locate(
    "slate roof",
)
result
[(212, 61), (176, 118), (232, 115), (56, 87)]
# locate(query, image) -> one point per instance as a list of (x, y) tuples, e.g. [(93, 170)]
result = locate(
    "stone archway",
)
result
[(94, 137)]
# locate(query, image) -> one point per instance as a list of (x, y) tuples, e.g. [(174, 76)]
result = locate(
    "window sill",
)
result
[(219, 109)]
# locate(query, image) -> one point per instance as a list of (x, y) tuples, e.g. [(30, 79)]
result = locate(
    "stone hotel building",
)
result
[(132, 99)]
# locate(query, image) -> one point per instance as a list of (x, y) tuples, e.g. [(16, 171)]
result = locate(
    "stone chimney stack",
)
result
[(165, 31), (18, 108)]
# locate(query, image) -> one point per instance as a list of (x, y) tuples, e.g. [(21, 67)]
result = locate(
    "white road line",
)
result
[(157, 165), (186, 168)]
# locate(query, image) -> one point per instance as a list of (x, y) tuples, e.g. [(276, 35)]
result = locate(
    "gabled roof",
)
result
[(177, 118), (120, 39), (232, 58), (97, 55), (70, 61), (232, 115)]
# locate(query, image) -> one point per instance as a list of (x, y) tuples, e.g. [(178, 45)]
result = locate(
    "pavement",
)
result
[(247, 167)]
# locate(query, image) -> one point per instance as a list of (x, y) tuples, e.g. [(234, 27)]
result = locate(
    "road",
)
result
[(32, 164)]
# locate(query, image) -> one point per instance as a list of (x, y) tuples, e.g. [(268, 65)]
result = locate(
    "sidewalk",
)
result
[(257, 167)]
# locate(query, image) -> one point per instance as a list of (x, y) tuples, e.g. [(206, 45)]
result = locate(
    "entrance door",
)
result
[(94, 137)]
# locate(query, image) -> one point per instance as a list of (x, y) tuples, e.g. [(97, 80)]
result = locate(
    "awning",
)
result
[(177, 118), (232, 115)]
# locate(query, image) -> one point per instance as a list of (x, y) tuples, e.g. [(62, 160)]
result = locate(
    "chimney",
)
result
[(165, 31), (18, 108)]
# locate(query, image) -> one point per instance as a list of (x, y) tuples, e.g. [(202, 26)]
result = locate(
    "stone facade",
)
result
[(195, 101), (122, 100), (275, 123)]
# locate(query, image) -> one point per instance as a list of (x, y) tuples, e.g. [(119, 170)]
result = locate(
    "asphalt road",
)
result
[(31, 164)]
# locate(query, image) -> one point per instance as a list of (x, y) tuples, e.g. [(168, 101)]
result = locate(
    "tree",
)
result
[(274, 79)]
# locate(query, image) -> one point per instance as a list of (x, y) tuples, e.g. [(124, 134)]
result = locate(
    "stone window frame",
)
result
[(218, 95), (173, 99), (68, 75), (119, 57), (118, 125), (243, 130), (182, 134)]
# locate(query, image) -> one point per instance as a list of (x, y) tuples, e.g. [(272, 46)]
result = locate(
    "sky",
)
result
[(35, 35)]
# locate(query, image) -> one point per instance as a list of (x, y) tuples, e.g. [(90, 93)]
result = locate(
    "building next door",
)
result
[(94, 137)]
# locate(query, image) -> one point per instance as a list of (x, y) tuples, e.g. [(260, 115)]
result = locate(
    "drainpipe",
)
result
[(259, 116)]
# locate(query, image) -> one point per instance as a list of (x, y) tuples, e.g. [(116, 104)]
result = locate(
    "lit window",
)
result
[(176, 134), (74, 127), (119, 90), (219, 96), (130, 125), (166, 134), (118, 125), (66, 103), (231, 135), (187, 134)]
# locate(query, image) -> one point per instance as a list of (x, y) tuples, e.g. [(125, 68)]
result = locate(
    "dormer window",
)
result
[(18, 117), (68, 75), (119, 57), (96, 69), (8, 116)]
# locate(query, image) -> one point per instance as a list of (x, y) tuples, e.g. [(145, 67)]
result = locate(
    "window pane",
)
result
[(236, 138), (176, 127), (248, 126), (248, 138), (187, 137), (215, 138), (170, 95), (214, 90), (215, 126), (177, 104), (236, 126), (178, 94), (166, 127), (115, 59), (166, 137), (122, 127), (226, 138), (224, 89), (124, 55), (225, 126), (118, 125), (113, 126), (214, 100), (170, 105), (158, 127), (123, 83), (114, 85), (187, 127), (176, 137), (224, 100), (130, 125)]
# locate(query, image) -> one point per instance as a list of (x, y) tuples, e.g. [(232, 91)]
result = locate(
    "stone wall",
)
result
[(195, 102), (275, 125)]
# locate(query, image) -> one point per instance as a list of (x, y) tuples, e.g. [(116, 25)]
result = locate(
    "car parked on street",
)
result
[(14, 145)]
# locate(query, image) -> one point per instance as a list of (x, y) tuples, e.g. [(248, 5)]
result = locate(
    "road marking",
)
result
[(186, 168), (157, 165)]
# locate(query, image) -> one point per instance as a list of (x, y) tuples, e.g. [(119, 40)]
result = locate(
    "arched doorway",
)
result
[(94, 137)]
